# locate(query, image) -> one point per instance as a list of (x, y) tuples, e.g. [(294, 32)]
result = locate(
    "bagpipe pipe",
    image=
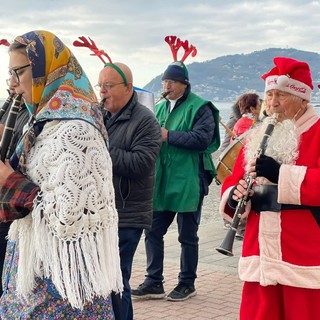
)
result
[(227, 243), (15, 106)]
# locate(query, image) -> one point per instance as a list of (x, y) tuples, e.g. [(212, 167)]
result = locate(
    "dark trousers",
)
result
[(188, 225), (128, 241)]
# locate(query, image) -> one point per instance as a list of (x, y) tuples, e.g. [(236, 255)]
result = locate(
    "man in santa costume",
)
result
[(280, 262)]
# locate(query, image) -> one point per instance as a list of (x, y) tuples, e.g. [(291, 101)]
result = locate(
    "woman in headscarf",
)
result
[(62, 258)]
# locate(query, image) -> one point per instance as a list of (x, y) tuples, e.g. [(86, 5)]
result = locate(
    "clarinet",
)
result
[(162, 96), (9, 126), (6, 105), (227, 244)]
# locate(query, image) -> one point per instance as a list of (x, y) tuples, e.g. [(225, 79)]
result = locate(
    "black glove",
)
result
[(268, 167), (231, 202)]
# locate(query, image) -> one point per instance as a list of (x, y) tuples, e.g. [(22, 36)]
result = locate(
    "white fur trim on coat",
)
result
[(269, 268), (289, 184)]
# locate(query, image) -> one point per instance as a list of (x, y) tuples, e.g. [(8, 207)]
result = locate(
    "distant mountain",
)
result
[(227, 77)]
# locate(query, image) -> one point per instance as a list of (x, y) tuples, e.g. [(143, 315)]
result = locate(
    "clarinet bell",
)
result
[(227, 243)]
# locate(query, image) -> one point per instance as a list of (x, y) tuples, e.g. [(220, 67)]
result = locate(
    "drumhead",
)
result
[(227, 159)]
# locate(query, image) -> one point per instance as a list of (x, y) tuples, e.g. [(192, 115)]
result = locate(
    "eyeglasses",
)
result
[(168, 82), (106, 85), (13, 73)]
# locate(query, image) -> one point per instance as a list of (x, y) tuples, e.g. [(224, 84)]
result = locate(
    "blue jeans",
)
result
[(128, 241), (188, 225)]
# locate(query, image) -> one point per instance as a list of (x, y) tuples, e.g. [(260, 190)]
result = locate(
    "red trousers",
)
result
[(279, 303)]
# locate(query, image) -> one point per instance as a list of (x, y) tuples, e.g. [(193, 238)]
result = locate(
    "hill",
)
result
[(227, 77)]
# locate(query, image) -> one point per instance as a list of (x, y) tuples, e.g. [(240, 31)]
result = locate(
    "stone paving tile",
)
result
[(218, 286)]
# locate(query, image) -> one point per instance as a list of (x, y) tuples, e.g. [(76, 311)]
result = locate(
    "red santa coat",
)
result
[(284, 247)]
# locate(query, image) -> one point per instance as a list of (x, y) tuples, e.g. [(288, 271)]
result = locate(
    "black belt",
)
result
[(265, 199)]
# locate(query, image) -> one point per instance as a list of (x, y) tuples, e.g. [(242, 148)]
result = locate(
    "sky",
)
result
[(133, 31)]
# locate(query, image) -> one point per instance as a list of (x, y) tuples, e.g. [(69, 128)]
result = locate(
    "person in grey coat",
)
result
[(134, 144)]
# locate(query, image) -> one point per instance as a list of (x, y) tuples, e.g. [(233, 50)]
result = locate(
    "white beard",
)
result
[(282, 145)]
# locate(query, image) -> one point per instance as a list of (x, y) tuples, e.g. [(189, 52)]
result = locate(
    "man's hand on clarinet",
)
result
[(238, 192), (5, 171), (265, 166)]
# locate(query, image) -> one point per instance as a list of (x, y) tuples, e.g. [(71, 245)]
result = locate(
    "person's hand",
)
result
[(267, 167), (238, 192), (5, 171), (164, 133)]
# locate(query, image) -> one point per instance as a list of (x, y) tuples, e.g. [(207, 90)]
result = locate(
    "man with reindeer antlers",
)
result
[(190, 134), (135, 142)]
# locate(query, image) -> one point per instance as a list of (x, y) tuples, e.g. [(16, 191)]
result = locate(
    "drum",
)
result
[(227, 158)]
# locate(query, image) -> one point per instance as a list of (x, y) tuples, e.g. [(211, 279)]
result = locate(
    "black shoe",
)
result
[(182, 292), (151, 291)]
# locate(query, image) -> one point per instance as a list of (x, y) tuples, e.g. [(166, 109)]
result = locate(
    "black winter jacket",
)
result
[(134, 144)]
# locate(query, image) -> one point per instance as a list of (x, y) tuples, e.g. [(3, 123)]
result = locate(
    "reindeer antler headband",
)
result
[(177, 70), (175, 44), (99, 53), (4, 42)]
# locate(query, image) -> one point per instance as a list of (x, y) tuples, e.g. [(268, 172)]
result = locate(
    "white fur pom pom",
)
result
[(283, 81)]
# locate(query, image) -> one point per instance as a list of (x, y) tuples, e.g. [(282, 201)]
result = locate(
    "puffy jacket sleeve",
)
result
[(138, 160), (201, 134)]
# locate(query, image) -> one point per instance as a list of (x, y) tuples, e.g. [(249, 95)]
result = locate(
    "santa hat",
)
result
[(290, 75)]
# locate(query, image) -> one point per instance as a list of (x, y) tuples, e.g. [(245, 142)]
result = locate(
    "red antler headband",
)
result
[(175, 44), (99, 53), (4, 42), (92, 46)]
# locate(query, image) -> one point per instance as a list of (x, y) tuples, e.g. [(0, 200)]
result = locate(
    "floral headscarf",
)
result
[(60, 88)]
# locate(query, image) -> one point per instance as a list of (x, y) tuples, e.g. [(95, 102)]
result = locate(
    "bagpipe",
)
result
[(14, 103), (227, 244)]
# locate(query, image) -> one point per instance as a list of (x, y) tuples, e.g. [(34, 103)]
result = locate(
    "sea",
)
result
[(224, 108)]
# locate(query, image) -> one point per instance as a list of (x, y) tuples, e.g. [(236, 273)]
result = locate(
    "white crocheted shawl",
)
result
[(71, 235)]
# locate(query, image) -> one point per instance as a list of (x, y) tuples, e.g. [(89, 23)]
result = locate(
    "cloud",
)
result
[(133, 31)]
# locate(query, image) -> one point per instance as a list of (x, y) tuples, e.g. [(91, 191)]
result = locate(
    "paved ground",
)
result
[(218, 286)]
